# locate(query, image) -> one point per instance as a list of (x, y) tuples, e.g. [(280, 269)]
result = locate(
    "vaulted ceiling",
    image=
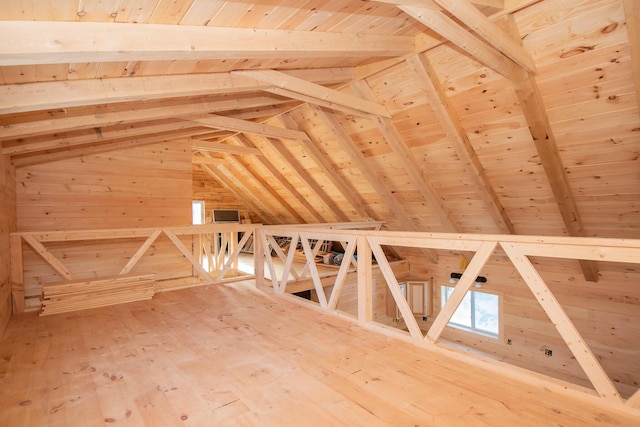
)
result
[(484, 116)]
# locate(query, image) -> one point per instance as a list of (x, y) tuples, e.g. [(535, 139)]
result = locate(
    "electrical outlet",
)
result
[(548, 352)]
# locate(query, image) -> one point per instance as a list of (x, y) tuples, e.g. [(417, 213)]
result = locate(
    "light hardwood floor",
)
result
[(233, 356)]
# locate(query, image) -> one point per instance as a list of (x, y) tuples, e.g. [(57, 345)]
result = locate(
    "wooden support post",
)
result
[(365, 281), (17, 274), (258, 257)]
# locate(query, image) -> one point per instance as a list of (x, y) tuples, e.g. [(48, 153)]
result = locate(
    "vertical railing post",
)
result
[(258, 256), (365, 280)]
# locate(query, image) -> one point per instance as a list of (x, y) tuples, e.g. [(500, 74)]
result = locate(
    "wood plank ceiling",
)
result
[(490, 116)]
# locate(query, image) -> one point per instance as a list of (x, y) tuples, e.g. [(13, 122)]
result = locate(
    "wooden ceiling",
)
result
[(490, 116)]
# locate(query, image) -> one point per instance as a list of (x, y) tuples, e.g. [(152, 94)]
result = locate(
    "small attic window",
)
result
[(479, 312)]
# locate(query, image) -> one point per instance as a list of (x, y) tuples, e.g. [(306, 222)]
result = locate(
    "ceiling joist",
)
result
[(450, 123), (310, 91), (57, 42), (17, 98), (93, 120)]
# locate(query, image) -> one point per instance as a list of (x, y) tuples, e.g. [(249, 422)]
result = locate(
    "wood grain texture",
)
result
[(235, 356)]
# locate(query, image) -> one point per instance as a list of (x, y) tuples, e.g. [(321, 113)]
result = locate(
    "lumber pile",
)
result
[(62, 297)]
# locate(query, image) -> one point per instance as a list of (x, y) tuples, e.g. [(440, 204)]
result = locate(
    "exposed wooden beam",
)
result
[(497, 4), (283, 181), (29, 97), (461, 37), (219, 173), (217, 147), (246, 126), (308, 90), (535, 114), (331, 173), (99, 136), (632, 18), (62, 94), (210, 161), (306, 177), (47, 42), (54, 125), (450, 123), (391, 203), (388, 130), (490, 32)]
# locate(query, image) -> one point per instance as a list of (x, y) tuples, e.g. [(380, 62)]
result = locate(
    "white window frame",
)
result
[(473, 329)]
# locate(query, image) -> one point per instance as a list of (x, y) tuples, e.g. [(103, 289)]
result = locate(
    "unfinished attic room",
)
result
[(320, 213)]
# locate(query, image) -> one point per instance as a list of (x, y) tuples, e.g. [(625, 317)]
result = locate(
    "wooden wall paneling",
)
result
[(7, 251), (632, 22)]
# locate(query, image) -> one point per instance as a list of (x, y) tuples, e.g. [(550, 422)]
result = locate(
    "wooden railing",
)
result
[(217, 247), (211, 250), (369, 246)]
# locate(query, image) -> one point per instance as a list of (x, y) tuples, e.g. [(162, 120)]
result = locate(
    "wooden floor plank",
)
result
[(234, 356)]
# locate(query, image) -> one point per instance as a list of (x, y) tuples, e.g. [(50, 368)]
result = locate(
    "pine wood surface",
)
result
[(232, 355)]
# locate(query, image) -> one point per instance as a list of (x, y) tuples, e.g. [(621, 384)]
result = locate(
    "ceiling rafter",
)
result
[(218, 147), (535, 114), (359, 161), (320, 193), (267, 188), (283, 180), (57, 42), (204, 160), (450, 123), (322, 162), (226, 179), (310, 92), (388, 130), (246, 126), (250, 182)]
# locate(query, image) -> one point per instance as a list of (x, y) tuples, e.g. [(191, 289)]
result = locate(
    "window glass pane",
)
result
[(197, 211), (478, 312), (462, 316), (486, 312)]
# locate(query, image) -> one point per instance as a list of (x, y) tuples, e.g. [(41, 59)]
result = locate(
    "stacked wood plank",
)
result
[(62, 297)]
